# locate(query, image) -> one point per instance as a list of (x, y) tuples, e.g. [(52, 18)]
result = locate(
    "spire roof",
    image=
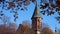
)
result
[(36, 11)]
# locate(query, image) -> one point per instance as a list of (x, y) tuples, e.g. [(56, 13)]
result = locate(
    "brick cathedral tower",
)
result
[(37, 21)]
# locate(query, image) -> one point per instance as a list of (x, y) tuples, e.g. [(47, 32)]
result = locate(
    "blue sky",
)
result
[(27, 14)]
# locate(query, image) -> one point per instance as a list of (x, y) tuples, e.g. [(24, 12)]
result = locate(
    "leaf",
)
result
[(43, 6), (2, 14), (17, 0), (58, 19), (51, 12), (2, 0), (13, 0), (0, 17), (43, 12), (8, 8), (46, 4), (11, 4), (33, 0), (14, 15), (48, 13), (59, 22), (59, 12), (27, 2), (22, 9), (52, 5), (58, 3), (1, 11), (51, 1), (57, 8), (25, 8), (20, 4)]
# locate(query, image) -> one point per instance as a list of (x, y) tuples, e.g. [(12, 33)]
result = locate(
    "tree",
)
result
[(12, 27), (26, 23), (7, 30), (5, 19), (48, 7), (3, 29), (7, 27), (24, 30), (47, 31)]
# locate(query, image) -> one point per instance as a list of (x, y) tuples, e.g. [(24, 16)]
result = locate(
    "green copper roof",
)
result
[(36, 11)]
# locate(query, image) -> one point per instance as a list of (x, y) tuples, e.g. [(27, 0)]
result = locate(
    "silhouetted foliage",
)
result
[(51, 5), (11, 4)]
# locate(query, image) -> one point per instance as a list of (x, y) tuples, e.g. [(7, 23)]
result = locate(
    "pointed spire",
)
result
[(36, 11)]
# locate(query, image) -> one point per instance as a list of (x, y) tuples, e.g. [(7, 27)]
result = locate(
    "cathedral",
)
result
[(37, 20)]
